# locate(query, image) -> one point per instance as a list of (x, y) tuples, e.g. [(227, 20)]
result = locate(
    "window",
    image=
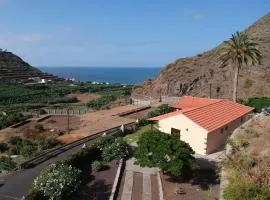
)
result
[(226, 128), (175, 132), (221, 130), (242, 119)]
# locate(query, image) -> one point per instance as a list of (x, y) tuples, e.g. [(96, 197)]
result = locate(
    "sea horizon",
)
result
[(108, 74)]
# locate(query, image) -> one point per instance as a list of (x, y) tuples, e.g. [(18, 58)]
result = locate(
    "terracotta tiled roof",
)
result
[(212, 114), (216, 115), (191, 102)]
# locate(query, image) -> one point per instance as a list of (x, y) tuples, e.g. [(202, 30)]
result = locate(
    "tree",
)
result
[(241, 51), (157, 149)]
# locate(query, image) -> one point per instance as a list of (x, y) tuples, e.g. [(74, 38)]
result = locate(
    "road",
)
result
[(17, 183)]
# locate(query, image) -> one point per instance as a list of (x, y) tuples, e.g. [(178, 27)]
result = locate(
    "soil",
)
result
[(204, 184), (85, 97), (52, 126), (100, 186), (256, 132), (99, 121)]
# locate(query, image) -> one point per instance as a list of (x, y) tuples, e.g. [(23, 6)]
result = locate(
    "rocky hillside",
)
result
[(194, 75), (13, 67)]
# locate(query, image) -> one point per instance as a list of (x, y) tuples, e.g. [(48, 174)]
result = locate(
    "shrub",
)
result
[(15, 140), (157, 149), (58, 181), (39, 127), (34, 194), (117, 150), (96, 166), (247, 83), (6, 163), (105, 141), (101, 101), (143, 122), (3, 147), (84, 157), (11, 118), (258, 103), (46, 143), (243, 188), (163, 109)]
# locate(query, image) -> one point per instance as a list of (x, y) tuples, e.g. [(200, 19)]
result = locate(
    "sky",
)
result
[(141, 33)]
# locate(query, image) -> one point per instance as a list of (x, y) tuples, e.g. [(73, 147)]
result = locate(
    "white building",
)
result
[(205, 124)]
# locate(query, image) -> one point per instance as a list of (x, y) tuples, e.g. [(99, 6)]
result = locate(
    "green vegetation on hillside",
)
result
[(12, 93), (101, 101), (10, 118)]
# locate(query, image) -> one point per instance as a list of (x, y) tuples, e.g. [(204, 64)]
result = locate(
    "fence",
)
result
[(60, 111), (145, 102)]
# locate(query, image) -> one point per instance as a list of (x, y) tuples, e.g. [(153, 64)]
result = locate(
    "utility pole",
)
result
[(160, 98), (68, 120)]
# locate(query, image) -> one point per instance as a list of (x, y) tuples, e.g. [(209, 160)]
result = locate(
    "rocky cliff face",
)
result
[(194, 75)]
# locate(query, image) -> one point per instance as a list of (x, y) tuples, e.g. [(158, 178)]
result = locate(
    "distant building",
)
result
[(205, 124), (42, 81)]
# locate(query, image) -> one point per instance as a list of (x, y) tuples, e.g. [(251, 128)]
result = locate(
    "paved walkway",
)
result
[(141, 183)]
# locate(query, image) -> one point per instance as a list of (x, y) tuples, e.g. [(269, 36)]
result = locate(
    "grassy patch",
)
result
[(135, 136)]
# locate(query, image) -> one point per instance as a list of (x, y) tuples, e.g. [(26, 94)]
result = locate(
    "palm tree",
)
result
[(241, 51)]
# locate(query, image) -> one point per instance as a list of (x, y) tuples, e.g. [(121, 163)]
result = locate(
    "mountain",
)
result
[(196, 75), (13, 67)]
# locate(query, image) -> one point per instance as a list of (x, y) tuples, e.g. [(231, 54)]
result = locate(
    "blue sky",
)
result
[(120, 32)]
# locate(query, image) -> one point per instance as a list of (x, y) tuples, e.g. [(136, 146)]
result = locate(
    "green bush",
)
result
[(105, 141), (101, 101), (15, 140), (58, 181), (247, 83), (46, 143), (244, 189), (6, 163), (11, 118), (157, 149), (39, 127), (163, 109), (84, 157), (34, 194), (119, 149), (258, 103), (96, 166), (3, 147)]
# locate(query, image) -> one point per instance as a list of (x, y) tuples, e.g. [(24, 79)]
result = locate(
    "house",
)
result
[(205, 124)]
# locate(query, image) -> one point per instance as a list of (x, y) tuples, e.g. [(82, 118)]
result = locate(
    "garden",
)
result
[(87, 174)]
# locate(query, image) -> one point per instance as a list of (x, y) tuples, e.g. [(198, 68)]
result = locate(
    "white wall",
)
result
[(191, 133), (216, 140)]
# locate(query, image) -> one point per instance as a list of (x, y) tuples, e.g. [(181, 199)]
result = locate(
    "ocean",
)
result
[(122, 75)]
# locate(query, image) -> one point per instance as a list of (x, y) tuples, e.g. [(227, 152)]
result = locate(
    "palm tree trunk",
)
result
[(235, 83)]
